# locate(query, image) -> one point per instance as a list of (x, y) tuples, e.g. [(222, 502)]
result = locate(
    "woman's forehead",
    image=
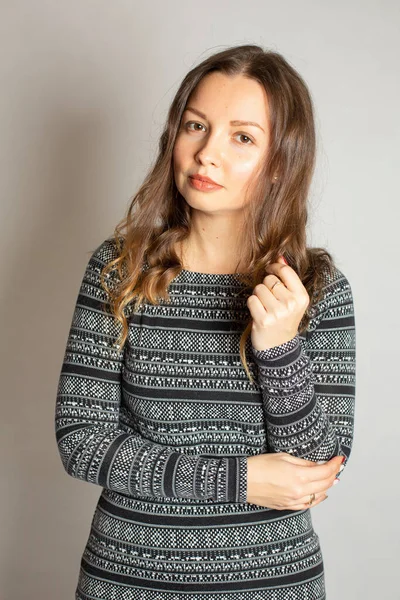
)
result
[(238, 98)]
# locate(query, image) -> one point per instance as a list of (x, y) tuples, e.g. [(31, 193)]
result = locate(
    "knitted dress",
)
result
[(164, 426)]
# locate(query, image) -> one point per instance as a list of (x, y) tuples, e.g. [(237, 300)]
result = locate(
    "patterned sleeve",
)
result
[(91, 443), (308, 385)]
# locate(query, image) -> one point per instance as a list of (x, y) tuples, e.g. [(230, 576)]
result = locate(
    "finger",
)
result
[(257, 309), (321, 469), (305, 505), (276, 288), (279, 292), (321, 472), (306, 499), (302, 462), (266, 297), (288, 276), (317, 487)]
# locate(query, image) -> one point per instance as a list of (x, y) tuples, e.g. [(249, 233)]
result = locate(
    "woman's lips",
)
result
[(204, 186)]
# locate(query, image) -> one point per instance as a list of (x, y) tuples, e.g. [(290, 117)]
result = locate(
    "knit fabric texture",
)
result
[(165, 425)]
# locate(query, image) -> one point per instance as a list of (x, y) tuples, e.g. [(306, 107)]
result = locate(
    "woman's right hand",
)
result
[(285, 482)]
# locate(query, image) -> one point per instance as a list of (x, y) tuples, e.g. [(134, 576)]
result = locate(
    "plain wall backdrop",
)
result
[(85, 89)]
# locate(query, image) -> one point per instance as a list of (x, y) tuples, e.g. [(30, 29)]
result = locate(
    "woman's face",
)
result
[(212, 142)]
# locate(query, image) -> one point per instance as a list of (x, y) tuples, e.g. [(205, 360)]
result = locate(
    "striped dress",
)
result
[(164, 426)]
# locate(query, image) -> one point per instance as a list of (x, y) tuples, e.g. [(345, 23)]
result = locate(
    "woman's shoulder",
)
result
[(107, 250), (336, 294), (332, 273)]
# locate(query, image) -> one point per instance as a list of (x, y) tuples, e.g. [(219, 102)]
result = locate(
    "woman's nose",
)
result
[(210, 150)]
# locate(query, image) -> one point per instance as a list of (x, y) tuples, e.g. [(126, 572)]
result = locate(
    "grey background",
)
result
[(85, 90)]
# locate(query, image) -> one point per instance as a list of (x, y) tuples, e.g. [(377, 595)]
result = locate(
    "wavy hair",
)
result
[(275, 217)]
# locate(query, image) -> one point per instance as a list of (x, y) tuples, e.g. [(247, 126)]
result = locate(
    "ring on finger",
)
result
[(312, 498), (276, 283)]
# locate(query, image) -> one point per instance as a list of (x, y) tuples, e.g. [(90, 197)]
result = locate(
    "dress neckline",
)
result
[(204, 274), (207, 278), (198, 277)]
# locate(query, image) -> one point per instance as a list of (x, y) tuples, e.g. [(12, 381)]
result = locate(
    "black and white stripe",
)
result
[(164, 426)]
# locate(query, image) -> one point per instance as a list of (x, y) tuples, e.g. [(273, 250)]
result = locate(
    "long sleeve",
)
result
[(91, 443), (308, 385)]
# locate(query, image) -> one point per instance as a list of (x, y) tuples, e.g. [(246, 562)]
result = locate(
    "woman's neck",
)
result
[(212, 247)]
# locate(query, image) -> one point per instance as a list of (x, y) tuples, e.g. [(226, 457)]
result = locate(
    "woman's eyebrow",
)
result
[(235, 123)]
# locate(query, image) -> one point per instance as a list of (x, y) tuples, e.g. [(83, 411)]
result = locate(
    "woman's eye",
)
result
[(243, 135), (247, 137), (193, 123)]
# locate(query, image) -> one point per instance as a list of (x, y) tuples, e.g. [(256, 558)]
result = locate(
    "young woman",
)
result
[(208, 382)]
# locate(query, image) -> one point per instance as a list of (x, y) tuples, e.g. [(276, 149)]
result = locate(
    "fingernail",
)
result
[(284, 259), (324, 499), (343, 459), (336, 481)]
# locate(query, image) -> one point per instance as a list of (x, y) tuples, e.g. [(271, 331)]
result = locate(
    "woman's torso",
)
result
[(184, 386)]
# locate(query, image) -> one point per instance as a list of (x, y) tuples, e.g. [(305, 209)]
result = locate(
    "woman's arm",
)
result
[(91, 444), (309, 393)]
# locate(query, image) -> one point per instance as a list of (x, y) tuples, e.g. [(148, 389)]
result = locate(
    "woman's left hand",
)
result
[(277, 313)]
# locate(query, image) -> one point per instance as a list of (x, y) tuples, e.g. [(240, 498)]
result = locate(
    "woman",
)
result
[(208, 383)]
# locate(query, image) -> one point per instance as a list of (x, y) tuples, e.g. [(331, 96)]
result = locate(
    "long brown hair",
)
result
[(275, 217)]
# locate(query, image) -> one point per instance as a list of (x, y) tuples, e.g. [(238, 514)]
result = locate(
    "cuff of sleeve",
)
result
[(242, 480), (279, 356), (232, 479)]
